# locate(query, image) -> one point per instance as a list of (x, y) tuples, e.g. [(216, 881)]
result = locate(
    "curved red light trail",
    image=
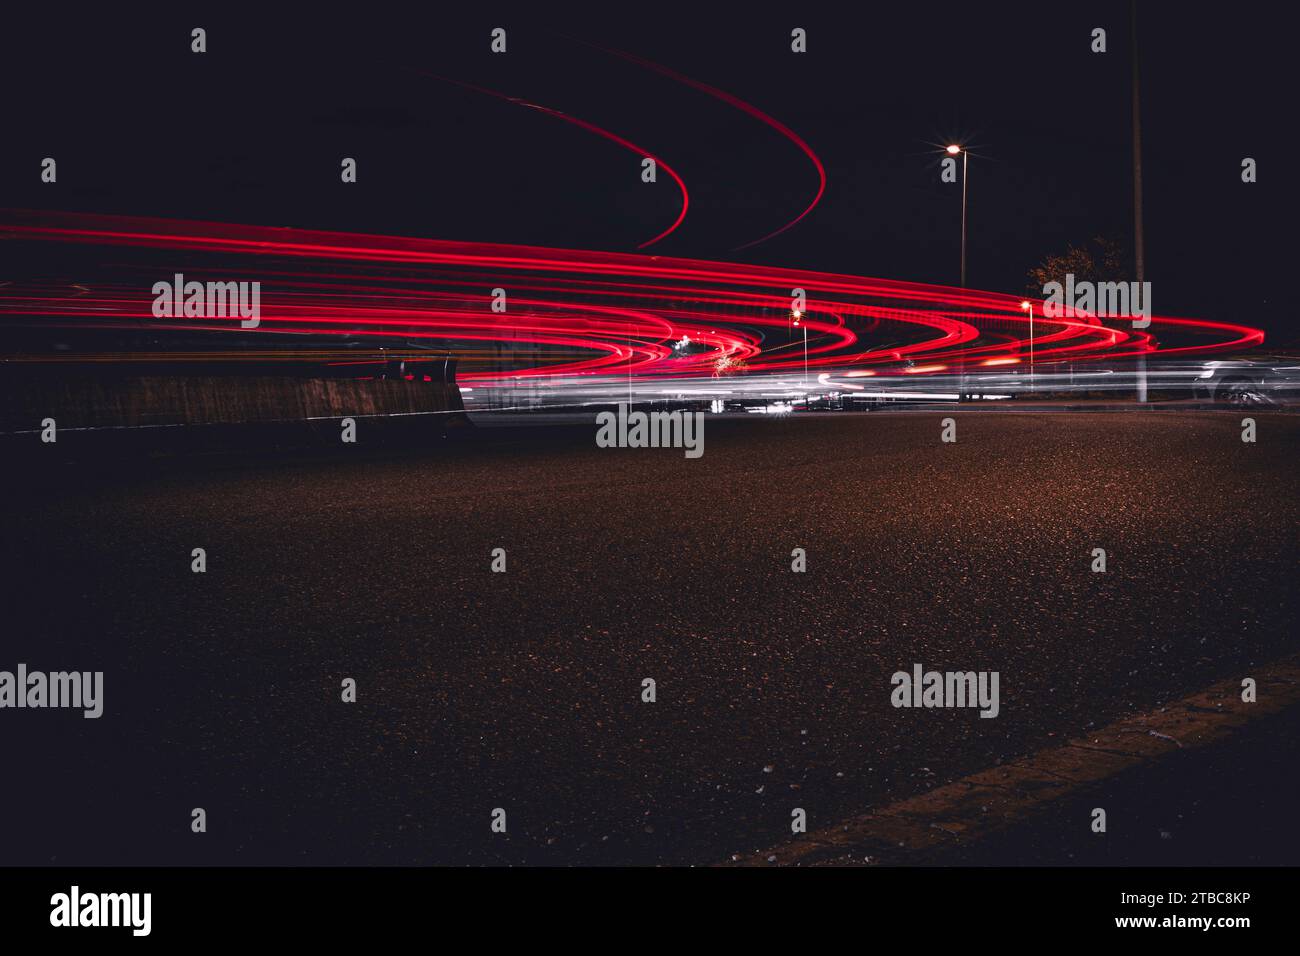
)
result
[(751, 110), (591, 128), (594, 313)]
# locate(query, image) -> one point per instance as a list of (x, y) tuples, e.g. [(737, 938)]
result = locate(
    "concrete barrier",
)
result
[(110, 412), (93, 399)]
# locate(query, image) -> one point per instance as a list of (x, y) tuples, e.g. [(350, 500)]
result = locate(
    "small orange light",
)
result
[(954, 150)]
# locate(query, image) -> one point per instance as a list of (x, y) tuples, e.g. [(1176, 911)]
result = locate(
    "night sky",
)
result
[(254, 130)]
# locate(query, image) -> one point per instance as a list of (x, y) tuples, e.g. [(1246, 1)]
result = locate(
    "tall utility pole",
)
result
[(1139, 250)]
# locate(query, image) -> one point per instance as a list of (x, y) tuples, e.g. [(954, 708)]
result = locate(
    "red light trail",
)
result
[(587, 312), (599, 131), (744, 107)]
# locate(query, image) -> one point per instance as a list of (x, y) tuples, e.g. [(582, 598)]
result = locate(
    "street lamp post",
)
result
[(805, 356), (953, 150), (798, 317), (1029, 307)]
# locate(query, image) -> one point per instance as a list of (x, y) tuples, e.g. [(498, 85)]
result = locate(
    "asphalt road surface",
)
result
[(522, 691)]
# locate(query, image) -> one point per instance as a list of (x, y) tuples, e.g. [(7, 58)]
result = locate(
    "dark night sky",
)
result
[(253, 131)]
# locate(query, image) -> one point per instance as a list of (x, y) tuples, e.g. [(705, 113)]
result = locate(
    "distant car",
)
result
[(1250, 382)]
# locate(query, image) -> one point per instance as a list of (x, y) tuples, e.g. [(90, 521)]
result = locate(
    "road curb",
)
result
[(917, 830)]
